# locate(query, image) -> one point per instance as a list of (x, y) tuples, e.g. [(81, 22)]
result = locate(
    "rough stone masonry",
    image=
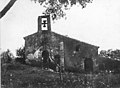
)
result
[(74, 54)]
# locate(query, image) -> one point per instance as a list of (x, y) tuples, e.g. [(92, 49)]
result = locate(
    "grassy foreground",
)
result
[(23, 76)]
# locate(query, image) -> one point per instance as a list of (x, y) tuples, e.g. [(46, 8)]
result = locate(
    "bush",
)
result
[(6, 57), (21, 60), (20, 52), (103, 80), (34, 63)]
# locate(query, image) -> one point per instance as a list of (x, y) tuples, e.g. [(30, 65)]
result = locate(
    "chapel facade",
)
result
[(73, 54)]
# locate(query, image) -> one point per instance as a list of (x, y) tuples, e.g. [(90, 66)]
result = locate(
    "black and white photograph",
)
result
[(60, 43)]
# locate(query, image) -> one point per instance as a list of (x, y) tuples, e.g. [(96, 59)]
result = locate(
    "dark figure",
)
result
[(45, 55)]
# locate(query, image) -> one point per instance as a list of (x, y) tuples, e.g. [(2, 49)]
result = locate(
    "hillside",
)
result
[(23, 76)]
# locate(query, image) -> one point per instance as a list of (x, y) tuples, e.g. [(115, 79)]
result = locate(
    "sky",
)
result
[(97, 24)]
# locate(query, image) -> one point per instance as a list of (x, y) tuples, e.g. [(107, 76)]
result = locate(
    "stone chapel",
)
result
[(74, 54)]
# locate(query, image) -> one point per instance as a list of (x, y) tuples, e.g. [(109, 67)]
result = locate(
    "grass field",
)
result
[(23, 76)]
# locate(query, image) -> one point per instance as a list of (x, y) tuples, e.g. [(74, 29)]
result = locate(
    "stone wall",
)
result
[(72, 52), (75, 52)]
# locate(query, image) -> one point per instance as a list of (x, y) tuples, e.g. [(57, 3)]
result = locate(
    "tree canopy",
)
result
[(109, 60), (53, 7), (56, 7), (112, 54)]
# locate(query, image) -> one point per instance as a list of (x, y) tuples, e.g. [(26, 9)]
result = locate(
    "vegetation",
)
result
[(6, 57), (23, 76), (109, 60), (54, 7), (20, 52), (112, 54)]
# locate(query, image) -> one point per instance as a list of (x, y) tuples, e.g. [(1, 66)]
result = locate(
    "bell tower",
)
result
[(44, 23)]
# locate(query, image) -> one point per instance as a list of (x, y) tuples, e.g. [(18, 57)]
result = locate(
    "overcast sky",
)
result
[(97, 24)]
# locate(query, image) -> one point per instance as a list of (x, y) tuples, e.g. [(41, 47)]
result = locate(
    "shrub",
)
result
[(6, 57), (21, 60), (34, 63), (20, 52)]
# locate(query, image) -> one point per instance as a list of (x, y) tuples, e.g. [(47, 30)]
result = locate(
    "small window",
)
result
[(78, 48), (44, 23)]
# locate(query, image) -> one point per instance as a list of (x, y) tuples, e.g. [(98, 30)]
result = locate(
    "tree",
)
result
[(109, 60), (54, 7), (6, 57), (7, 7), (112, 54), (20, 52)]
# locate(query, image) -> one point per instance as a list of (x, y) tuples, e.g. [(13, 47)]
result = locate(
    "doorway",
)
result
[(88, 65), (45, 56)]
